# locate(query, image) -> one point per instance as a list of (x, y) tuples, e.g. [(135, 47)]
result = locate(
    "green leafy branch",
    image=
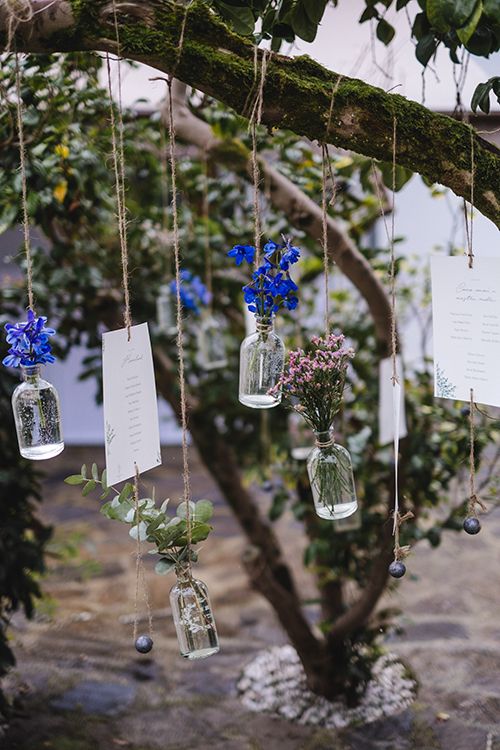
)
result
[(149, 523)]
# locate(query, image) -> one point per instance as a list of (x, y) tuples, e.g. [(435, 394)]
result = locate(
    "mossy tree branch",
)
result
[(298, 91)]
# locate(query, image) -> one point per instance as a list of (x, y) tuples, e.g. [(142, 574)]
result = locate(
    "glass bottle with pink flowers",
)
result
[(314, 384), (262, 354)]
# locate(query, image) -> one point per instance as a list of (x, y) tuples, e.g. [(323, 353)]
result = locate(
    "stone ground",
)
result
[(82, 686)]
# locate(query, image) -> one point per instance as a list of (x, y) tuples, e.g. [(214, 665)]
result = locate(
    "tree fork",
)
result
[(297, 95)]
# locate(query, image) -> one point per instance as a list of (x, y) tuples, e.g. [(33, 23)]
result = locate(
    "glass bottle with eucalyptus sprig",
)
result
[(35, 402), (191, 609), (314, 383), (262, 354)]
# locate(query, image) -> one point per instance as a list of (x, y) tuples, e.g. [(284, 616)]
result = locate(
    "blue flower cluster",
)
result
[(271, 286), (194, 293), (29, 342)]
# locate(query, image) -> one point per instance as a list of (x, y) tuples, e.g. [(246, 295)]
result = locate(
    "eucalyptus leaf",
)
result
[(139, 531), (164, 566), (83, 471), (89, 487), (95, 472), (75, 479), (203, 511), (182, 509)]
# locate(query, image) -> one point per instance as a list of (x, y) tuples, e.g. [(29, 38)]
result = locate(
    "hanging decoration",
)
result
[(314, 384), (130, 345), (193, 618), (172, 537), (262, 354), (35, 402), (211, 348), (472, 524), (397, 568)]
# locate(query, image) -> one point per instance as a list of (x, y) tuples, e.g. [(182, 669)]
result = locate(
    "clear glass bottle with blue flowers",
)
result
[(262, 354), (35, 401)]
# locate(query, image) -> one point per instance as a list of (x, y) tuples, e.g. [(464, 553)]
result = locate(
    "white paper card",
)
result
[(132, 434), (466, 327), (386, 421)]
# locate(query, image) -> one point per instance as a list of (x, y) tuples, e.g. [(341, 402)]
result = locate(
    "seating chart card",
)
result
[(466, 327), (132, 435), (386, 406)]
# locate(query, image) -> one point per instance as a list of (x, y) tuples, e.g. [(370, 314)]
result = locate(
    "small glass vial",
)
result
[(165, 311), (262, 360), (211, 350), (37, 415), (193, 618), (332, 482)]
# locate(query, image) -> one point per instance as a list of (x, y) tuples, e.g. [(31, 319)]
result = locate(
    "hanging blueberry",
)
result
[(397, 569), (144, 644), (472, 525)]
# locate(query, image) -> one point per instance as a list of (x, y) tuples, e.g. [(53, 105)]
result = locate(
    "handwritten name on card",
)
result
[(132, 435), (466, 328)]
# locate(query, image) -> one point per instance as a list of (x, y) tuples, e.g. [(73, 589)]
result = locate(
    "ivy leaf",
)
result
[(425, 49), (401, 4), (402, 175), (449, 14), (164, 566), (301, 23), (481, 96), (75, 479), (89, 487), (315, 9), (465, 33), (385, 32), (240, 17), (368, 13)]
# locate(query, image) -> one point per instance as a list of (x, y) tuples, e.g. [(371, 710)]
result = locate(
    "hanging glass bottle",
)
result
[(211, 350), (165, 311), (262, 359), (332, 482), (37, 415), (193, 618)]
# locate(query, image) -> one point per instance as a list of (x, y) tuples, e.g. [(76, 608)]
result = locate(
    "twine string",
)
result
[(474, 499), (255, 120), (206, 229), (180, 331), (140, 575), (324, 223), (24, 188), (469, 226)]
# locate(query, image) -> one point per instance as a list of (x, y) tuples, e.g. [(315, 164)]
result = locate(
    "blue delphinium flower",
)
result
[(29, 342), (271, 286), (241, 253), (193, 291)]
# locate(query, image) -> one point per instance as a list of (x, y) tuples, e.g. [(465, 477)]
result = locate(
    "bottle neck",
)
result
[(183, 573), (31, 373), (264, 325), (324, 438)]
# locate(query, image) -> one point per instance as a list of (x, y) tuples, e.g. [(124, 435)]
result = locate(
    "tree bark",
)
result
[(297, 92)]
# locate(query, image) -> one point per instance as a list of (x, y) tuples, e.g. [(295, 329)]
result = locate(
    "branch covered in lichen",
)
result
[(297, 91)]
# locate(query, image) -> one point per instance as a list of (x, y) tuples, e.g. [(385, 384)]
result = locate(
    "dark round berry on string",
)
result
[(465, 411), (397, 569), (266, 486), (144, 644), (472, 525)]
